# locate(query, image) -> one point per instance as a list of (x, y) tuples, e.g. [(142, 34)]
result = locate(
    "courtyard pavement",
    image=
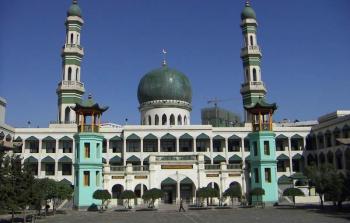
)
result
[(241, 215)]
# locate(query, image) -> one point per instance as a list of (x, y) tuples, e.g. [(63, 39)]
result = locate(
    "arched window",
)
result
[(172, 119), (69, 73), (149, 120), (156, 120), (71, 38), (78, 41), (251, 41), (185, 120), (77, 74), (254, 75), (164, 119), (247, 75), (179, 120), (66, 115)]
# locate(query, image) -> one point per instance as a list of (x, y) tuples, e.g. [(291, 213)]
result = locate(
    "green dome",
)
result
[(74, 9), (248, 12), (164, 84)]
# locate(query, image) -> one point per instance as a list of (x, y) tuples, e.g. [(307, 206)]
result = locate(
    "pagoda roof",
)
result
[(261, 104), (89, 104)]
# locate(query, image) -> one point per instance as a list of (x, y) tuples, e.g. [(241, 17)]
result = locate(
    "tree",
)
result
[(207, 192), (152, 195), (102, 195), (258, 192), (233, 192), (320, 178), (336, 187), (128, 194), (293, 192), (63, 192)]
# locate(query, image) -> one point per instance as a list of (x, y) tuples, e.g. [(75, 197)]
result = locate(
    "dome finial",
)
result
[(164, 52), (75, 2), (247, 3), (90, 96)]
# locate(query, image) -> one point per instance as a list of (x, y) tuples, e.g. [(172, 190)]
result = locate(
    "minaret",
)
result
[(253, 87), (70, 90)]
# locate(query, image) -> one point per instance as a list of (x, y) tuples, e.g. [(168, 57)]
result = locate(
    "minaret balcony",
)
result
[(250, 50), (72, 48), (71, 85), (253, 86)]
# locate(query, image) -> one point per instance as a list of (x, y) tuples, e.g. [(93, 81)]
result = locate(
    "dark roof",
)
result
[(164, 83), (133, 158), (186, 181), (219, 158), (66, 138), (261, 103), (133, 137), (65, 159), (297, 136), (116, 138), (218, 137), (32, 138), (281, 136), (234, 137), (235, 158), (116, 159), (203, 136), (31, 159), (168, 136), (150, 136), (168, 181), (186, 136), (48, 159), (89, 104), (297, 157), (48, 138), (282, 157)]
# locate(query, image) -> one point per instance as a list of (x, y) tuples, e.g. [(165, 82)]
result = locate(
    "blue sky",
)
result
[(305, 47)]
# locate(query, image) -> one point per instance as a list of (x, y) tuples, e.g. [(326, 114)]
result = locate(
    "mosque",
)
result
[(166, 151)]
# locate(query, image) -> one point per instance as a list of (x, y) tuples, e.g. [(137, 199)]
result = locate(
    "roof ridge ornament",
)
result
[(164, 52)]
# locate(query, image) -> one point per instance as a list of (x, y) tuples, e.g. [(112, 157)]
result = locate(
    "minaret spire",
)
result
[(70, 90), (253, 87)]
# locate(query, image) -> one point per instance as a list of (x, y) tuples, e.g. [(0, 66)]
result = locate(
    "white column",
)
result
[(211, 149), (158, 150), (243, 167), (141, 152), (194, 145), (226, 150), (177, 188), (177, 146), (124, 152), (290, 156)]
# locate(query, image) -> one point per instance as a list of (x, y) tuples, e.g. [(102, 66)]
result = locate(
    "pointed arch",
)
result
[(67, 115), (185, 120), (69, 73), (77, 74), (71, 38), (254, 75), (179, 120), (172, 119), (156, 120), (149, 120), (251, 40), (164, 119)]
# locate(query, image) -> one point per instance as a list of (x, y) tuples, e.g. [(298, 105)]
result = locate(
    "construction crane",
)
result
[(215, 101)]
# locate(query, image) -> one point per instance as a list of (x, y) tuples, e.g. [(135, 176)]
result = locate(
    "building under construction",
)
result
[(219, 117)]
